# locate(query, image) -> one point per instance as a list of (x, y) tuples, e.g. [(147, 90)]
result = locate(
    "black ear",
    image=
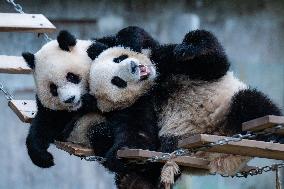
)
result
[(66, 40), (30, 59), (95, 49)]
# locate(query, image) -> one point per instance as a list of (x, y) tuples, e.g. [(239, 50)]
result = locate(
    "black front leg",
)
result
[(37, 144), (201, 56)]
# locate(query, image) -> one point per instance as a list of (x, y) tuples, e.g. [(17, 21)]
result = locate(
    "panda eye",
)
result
[(73, 78), (120, 58), (53, 89)]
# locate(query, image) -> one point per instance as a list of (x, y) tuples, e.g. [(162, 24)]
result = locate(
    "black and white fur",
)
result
[(193, 92), (60, 70)]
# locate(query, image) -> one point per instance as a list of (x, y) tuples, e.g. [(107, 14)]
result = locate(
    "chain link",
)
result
[(94, 158), (19, 9), (7, 95)]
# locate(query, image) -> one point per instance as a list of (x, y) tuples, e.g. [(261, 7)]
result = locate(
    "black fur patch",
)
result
[(120, 83), (73, 78), (30, 59), (53, 89), (66, 40), (95, 49), (120, 58), (135, 38), (246, 105)]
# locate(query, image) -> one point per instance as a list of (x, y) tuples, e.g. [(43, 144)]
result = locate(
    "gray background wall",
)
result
[(251, 32)]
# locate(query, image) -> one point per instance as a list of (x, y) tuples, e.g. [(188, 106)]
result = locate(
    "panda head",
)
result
[(119, 76), (60, 70)]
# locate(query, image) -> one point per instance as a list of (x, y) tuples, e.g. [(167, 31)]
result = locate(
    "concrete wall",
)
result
[(251, 32)]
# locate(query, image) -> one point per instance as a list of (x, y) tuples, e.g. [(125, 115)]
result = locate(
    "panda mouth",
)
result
[(76, 105), (144, 71)]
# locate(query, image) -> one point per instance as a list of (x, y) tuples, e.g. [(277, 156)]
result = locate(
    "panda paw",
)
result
[(184, 52), (42, 159), (113, 163), (228, 164)]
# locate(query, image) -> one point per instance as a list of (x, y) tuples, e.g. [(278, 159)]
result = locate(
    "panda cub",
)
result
[(184, 89), (60, 70)]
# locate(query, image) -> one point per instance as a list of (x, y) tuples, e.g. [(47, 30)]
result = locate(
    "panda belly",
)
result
[(82, 127), (198, 106)]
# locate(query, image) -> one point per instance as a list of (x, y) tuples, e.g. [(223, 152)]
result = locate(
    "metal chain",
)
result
[(94, 158), (256, 171), (7, 95), (19, 9)]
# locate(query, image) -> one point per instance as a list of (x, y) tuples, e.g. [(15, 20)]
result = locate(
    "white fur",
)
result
[(199, 106), (52, 64), (82, 126), (111, 97)]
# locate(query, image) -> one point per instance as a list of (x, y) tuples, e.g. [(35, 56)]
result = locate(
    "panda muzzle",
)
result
[(144, 71)]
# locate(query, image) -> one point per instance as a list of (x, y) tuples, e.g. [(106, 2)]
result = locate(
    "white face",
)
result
[(61, 76), (119, 76)]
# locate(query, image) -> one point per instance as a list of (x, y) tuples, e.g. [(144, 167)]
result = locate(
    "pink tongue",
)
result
[(144, 71)]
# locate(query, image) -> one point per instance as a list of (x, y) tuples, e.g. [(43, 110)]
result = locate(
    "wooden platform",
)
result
[(74, 149), (145, 154), (13, 65), (245, 147), (16, 22), (265, 122), (24, 109)]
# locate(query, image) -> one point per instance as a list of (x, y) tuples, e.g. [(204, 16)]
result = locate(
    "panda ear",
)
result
[(30, 59), (95, 49), (66, 40)]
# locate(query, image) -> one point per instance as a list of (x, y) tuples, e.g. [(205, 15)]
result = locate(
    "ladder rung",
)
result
[(16, 22)]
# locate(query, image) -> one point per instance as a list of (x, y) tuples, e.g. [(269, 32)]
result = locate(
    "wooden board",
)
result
[(74, 149), (24, 109), (16, 22), (13, 65), (245, 147), (265, 122), (144, 154)]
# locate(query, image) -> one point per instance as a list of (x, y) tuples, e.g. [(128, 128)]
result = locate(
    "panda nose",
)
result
[(70, 100), (133, 67)]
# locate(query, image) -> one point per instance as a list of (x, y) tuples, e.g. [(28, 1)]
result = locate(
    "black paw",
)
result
[(42, 159), (184, 52), (169, 143), (89, 102), (113, 163)]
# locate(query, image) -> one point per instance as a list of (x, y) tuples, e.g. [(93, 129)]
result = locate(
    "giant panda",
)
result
[(60, 69), (189, 87)]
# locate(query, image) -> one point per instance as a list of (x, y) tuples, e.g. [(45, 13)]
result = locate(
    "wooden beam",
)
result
[(245, 147), (263, 123), (13, 65), (15, 22), (74, 149), (24, 109), (144, 154)]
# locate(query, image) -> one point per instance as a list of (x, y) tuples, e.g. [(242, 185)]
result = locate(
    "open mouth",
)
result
[(75, 106), (144, 72)]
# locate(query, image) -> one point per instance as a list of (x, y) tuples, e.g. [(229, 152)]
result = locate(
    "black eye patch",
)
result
[(120, 58), (120, 83), (73, 78), (53, 89)]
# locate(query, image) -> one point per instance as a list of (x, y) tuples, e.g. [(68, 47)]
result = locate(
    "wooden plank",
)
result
[(24, 109), (245, 147), (74, 149), (13, 65), (144, 154), (15, 22), (263, 123)]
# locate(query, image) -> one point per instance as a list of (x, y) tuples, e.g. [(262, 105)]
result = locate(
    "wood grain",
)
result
[(265, 122), (13, 65), (16, 22), (245, 147), (74, 149), (24, 109)]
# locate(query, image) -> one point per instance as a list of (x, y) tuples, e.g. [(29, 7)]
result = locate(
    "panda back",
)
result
[(197, 106)]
